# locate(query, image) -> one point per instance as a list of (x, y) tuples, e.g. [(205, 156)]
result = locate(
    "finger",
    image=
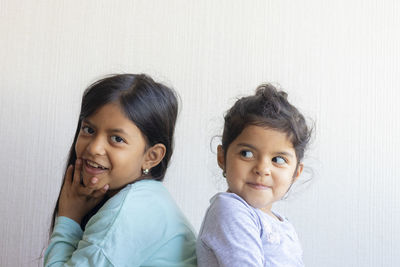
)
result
[(77, 172), (68, 175), (100, 192), (88, 190), (93, 181), (94, 184)]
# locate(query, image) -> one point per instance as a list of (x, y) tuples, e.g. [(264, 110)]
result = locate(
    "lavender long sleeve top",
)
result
[(235, 234)]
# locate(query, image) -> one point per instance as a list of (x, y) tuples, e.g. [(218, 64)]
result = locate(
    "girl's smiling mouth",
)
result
[(258, 186), (93, 168)]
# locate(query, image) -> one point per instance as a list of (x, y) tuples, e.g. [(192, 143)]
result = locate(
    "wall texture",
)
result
[(338, 60)]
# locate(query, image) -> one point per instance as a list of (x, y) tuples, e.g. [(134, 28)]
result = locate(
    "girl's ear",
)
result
[(153, 156), (221, 157), (298, 172)]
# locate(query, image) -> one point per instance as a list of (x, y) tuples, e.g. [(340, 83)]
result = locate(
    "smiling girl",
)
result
[(113, 209), (263, 145)]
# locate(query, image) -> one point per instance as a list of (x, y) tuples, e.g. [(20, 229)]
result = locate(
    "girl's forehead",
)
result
[(108, 110), (110, 116), (258, 136)]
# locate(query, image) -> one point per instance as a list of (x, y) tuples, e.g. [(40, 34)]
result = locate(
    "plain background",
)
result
[(338, 60)]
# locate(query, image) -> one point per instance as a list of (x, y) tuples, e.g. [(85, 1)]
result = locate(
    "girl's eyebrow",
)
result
[(87, 121), (116, 130), (283, 153), (248, 145)]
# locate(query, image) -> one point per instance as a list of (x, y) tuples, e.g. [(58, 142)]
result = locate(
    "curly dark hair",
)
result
[(268, 108)]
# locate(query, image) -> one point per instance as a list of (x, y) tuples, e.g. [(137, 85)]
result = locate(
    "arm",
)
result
[(132, 227), (75, 201), (231, 231), (63, 249)]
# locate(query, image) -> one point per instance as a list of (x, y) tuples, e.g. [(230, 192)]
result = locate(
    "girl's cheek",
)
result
[(79, 151)]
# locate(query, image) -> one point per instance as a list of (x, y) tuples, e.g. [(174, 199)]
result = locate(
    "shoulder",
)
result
[(228, 211), (134, 199), (230, 233), (150, 197), (142, 201), (137, 222), (232, 205), (228, 199), (138, 196), (148, 189)]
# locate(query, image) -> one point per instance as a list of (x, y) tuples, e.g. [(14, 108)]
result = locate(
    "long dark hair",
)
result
[(267, 108), (151, 106)]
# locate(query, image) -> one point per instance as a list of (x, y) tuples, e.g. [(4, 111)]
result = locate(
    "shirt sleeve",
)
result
[(62, 250), (135, 227), (232, 232)]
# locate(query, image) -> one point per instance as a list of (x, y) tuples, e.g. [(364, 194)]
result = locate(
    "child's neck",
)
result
[(270, 213)]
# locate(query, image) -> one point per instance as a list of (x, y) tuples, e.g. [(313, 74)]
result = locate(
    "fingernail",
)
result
[(106, 187), (94, 180)]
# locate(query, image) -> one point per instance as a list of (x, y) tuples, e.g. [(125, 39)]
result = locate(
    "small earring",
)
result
[(224, 174), (145, 171)]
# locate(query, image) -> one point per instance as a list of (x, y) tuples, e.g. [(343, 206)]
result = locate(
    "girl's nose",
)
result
[(262, 168), (96, 147)]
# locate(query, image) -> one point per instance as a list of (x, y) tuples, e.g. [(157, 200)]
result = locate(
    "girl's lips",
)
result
[(92, 170), (258, 186)]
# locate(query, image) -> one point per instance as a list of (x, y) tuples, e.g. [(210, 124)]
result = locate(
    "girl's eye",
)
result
[(117, 139), (279, 160), (246, 154), (87, 130)]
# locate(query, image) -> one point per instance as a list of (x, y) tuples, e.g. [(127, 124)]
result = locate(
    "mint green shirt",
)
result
[(139, 226)]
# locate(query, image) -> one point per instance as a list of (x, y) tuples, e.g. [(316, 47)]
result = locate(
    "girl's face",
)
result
[(260, 166), (111, 147)]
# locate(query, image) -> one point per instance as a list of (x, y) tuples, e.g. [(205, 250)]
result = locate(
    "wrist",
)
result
[(76, 218)]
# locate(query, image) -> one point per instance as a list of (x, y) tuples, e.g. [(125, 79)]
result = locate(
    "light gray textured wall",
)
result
[(339, 61)]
